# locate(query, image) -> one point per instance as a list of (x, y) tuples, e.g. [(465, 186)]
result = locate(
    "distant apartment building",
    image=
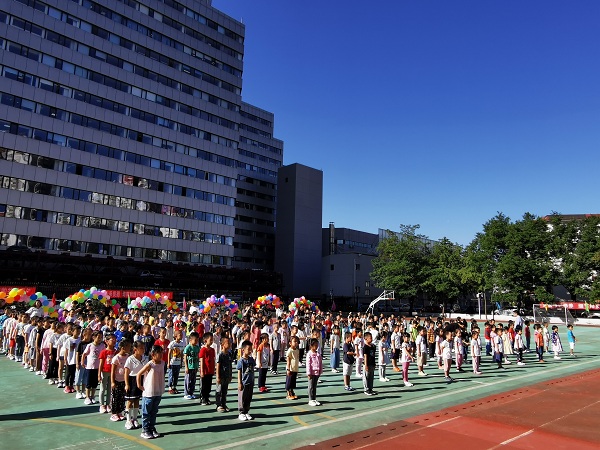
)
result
[(123, 133)]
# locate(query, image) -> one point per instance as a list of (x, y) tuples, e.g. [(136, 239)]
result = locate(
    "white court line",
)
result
[(508, 441), (394, 406), (543, 425), (443, 421)]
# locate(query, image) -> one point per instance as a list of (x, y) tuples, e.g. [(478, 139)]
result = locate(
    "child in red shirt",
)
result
[(163, 342), (105, 360), (207, 358)]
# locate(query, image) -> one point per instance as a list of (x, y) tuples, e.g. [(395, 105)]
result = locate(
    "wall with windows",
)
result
[(123, 133)]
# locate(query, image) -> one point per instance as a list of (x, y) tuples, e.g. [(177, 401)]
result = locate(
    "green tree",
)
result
[(576, 254), (484, 253), (526, 271), (401, 264), (444, 273)]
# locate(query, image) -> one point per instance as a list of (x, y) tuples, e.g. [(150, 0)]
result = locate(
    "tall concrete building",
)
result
[(123, 133), (299, 222)]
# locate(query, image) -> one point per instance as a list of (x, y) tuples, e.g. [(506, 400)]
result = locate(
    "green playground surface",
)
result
[(34, 415)]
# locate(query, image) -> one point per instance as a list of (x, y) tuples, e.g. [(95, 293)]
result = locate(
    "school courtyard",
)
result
[(34, 415)]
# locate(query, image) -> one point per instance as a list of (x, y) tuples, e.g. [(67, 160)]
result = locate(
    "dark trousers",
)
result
[(118, 397), (190, 382), (301, 355), (70, 375), (290, 381), (19, 346), (221, 394), (540, 352), (206, 387), (262, 377), (53, 365), (432, 350), (275, 360), (245, 398), (520, 355), (312, 387)]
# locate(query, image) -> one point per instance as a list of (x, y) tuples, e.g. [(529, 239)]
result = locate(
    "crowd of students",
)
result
[(132, 358)]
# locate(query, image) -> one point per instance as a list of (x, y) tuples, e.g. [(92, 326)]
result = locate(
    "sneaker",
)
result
[(448, 379), (108, 409), (220, 409), (94, 401), (26, 366), (50, 382), (350, 389), (204, 402), (155, 434), (67, 390), (102, 409), (249, 417), (478, 372), (189, 397), (80, 395), (422, 374), (87, 401), (129, 425), (368, 393), (227, 409), (408, 384), (115, 418), (520, 363), (147, 435), (136, 424), (312, 403), (171, 391), (461, 370), (507, 362), (557, 357), (242, 417)]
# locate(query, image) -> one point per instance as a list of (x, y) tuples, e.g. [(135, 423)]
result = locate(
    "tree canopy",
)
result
[(516, 261)]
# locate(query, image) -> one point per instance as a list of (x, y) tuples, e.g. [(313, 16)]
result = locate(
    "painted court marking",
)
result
[(508, 441), (394, 406), (103, 430)]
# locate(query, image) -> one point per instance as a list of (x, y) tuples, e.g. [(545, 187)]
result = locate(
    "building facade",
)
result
[(123, 133), (346, 267), (299, 222)]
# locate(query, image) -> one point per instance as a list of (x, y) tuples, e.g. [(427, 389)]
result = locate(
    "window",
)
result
[(332, 267), (367, 292), (356, 266), (367, 284)]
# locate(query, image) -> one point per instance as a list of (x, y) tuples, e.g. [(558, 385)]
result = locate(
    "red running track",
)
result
[(560, 414)]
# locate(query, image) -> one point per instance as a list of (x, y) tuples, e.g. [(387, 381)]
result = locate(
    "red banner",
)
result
[(135, 294), (580, 306), (29, 290)]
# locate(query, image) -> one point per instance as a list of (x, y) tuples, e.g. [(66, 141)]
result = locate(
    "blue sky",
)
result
[(432, 112)]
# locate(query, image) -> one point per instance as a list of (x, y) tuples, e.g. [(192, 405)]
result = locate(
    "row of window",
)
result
[(254, 234), (255, 118), (64, 141), (260, 195), (22, 185), (114, 177), (253, 207), (260, 157), (61, 218), (136, 113), (166, 40), (257, 182), (125, 65), (23, 77), (190, 13), (95, 248), (132, 25), (255, 130), (262, 145), (253, 247), (254, 220)]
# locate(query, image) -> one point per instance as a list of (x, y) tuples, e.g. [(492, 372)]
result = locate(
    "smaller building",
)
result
[(346, 268)]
